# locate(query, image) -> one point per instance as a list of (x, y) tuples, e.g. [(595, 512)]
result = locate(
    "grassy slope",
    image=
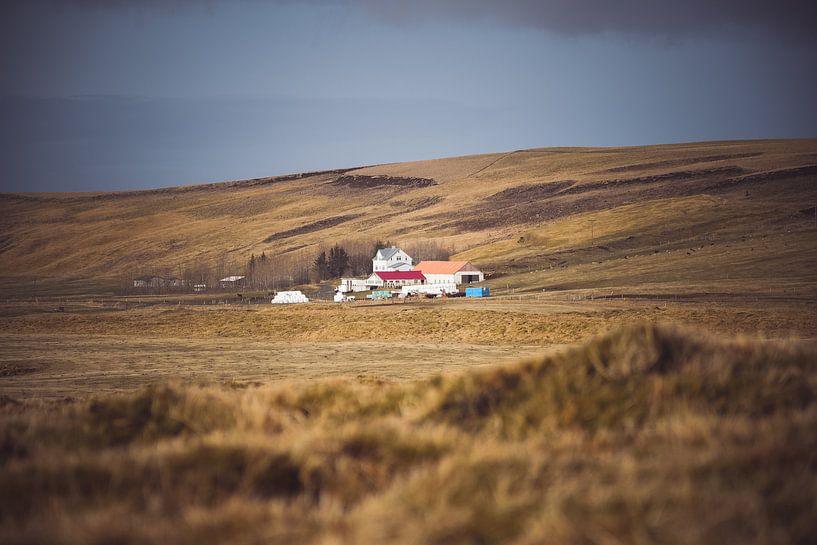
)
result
[(660, 219), (651, 434), (648, 435)]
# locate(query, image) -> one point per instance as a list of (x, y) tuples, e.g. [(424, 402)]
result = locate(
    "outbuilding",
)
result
[(352, 284), (232, 282), (150, 281), (447, 272)]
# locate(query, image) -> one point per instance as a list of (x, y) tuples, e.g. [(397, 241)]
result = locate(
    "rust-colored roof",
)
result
[(443, 267)]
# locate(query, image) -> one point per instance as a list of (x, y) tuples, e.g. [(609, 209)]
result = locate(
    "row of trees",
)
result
[(280, 272)]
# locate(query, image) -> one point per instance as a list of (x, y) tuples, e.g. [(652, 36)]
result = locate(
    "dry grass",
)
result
[(50, 366), (651, 434), (198, 424), (494, 321), (95, 349), (82, 242)]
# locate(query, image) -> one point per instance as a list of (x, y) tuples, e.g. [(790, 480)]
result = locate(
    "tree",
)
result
[(321, 266), (338, 261)]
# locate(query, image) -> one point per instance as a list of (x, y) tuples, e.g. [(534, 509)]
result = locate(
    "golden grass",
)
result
[(94, 349), (94, 241), (651, 434), (495, 321)]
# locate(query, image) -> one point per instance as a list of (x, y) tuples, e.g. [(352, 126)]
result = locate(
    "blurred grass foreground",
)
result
[(649, 434)]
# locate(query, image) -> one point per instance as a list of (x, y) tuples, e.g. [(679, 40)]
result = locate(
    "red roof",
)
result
[(400, 275)]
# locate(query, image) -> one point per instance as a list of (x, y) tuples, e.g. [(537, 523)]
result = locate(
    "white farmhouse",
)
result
[(391, 259)]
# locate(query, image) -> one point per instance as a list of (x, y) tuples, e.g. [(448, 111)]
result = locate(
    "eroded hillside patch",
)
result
[(312, 227), (359, 181), (545, 201)]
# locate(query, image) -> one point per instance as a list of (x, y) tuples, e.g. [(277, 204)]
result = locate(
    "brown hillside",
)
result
[(719, 217)]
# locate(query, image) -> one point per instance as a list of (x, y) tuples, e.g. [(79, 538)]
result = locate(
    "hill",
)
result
[(731, 218)]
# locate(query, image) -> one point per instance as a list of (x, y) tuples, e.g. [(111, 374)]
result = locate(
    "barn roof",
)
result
[(400, 275), (443, 267)]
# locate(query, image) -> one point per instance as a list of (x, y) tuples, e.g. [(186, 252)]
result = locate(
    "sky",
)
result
[(131, 94)]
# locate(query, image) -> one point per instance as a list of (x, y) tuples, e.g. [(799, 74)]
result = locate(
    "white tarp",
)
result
[(289, 297)]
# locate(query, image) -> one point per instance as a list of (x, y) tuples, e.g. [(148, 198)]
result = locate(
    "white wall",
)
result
[(352, 284), (440, 278), (374, 280)]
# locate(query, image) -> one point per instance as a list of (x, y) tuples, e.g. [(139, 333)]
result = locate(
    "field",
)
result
[(646, 371), (93, 349), (650, 434)]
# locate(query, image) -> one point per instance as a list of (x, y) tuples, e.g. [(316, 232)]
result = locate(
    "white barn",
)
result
[(391, 259), (450, 272)]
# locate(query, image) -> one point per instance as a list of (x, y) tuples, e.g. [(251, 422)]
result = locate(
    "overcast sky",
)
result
[(115, 94)]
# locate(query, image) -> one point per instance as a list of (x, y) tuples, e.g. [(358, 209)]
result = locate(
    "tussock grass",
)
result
[(649, 434)]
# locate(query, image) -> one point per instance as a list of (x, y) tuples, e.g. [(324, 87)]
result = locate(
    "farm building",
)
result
[(153, 281), (352, 284), (232, 282), (148, 282), (395, 279), (391, 259), (445, 272)]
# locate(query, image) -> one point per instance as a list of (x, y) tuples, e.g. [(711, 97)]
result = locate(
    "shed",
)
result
[(232, 282)]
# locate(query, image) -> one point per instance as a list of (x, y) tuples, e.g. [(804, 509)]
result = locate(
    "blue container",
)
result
[(477, 292)]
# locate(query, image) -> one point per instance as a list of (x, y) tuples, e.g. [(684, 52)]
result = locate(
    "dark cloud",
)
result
[(783, 19)]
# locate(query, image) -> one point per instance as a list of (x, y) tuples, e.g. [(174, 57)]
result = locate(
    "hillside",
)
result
[(729, 218)]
